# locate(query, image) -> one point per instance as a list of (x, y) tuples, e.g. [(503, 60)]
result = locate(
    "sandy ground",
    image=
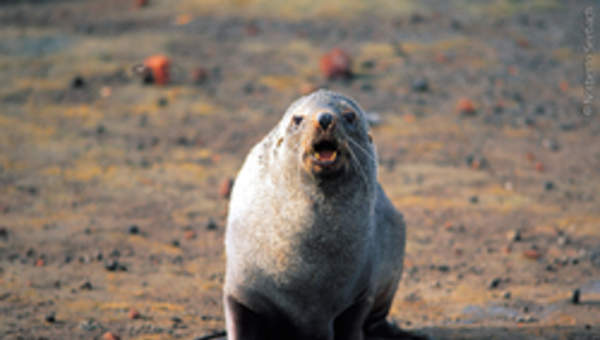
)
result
[(109, 188)]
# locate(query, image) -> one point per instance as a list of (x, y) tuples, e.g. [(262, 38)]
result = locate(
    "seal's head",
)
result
[(329, 133)]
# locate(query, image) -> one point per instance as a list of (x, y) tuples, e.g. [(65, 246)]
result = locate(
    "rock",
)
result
[(532, 254), (576, 296), (133, 314), (465, 107), (50, 318), (420, 85), (110, 336), (514, 235), (474, 199), (133, 229), (189, 235), (3, 233), (507, 295), (212, 225), (77, 82), (175, 243), (87, 285), (225, 188), (549, 185), (159, 67), (336, 64), (199, 75), (495, 283)]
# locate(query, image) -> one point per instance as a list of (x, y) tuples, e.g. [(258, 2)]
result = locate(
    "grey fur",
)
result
[(305, 250)]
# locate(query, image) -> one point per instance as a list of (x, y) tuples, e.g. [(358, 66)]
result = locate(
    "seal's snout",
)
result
[(325, 120)]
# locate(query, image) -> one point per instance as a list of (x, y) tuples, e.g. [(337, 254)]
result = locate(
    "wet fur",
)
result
[(311, 258)]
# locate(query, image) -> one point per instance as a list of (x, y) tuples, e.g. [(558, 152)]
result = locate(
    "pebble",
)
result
[(465, 107), (474, 199), (549, 185), (576, 296), (550, 144), (162, 102), (420, 85), (50, 318), (495, 283), (141, 3), (514, 235), (175, 243), (507, 295), (225, 188), (3, 233), (527, 319), (100, 129), (133, 229), (87, 285), (159, 66), (532, 254), (212, 225), (133, 314), (77, 82), (199, 75), (189, 235), (336, 64), (110, 336), (114, 265)]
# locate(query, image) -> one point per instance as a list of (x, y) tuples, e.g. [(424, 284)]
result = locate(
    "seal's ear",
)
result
[(370, 138)]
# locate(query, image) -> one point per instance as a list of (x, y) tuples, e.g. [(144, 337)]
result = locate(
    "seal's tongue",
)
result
[(326, 155)]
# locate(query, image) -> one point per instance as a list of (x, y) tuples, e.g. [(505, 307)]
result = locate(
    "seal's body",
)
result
[(314, 247)]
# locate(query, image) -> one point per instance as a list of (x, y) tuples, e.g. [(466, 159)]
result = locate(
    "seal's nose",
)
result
[(325, 119)]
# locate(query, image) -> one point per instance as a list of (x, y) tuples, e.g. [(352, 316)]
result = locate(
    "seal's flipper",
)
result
[(383, 330)]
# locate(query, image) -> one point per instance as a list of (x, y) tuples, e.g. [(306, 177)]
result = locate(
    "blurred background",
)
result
[(123, 124)]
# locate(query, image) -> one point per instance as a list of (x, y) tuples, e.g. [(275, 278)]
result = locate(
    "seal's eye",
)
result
[(349, 116), (297, 120)]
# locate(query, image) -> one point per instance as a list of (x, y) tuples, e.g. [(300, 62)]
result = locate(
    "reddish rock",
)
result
[(199, 75), (189, 235), (40, 263), (336, 64), (225, 188), (159, 67), (466, 107), (141, 3), (539, 166), (532, 254), (110, 336), (133, 314)]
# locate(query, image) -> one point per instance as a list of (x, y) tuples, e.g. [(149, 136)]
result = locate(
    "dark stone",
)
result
[(51, 317), (111, 265), (77, 82), (420, 85), (175, 243), (495, 283), (162, 102), (576, 296), (3, 233), (87, 285), (212, 225), (100, 129), (133, 229), (474, 199), (549, 185)]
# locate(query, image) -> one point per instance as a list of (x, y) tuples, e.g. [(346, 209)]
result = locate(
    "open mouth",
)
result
[(325, 152)]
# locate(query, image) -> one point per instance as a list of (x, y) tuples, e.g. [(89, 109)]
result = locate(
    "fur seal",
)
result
[(314, 247)]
